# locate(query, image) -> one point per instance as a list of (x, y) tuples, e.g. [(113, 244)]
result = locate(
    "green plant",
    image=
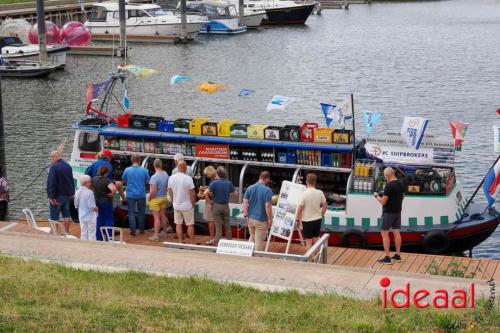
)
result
[(455, 269)]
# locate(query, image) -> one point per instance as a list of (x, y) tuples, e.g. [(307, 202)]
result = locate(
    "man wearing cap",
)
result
[(177, 158), (105, 158)]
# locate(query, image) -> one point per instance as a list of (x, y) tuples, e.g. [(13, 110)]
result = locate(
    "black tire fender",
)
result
[(353, 233), (436, 242)]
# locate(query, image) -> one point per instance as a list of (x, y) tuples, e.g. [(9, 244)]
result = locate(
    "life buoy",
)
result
[(436, 242), (353, 238)]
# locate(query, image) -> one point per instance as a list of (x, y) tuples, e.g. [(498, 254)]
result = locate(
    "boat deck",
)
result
[(483, 269)]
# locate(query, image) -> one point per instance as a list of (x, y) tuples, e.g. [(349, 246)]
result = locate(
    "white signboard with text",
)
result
[(235, 248), (284, 215)]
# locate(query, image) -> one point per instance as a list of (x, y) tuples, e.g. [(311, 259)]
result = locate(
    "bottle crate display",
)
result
[(209, 129), (224, 127), (195, 125)]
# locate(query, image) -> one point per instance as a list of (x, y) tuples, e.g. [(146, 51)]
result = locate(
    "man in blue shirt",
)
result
[(105, 158), (60, 188), (135, 178), (221, 190), (258, 210)]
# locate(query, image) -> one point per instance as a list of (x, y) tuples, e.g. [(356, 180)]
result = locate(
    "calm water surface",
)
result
[(436, 59)]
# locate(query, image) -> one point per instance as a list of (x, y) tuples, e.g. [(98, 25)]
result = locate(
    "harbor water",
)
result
[(438, 60)]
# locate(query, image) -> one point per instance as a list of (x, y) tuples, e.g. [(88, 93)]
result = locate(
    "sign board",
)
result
[(284, 215), (394, 149), (235, 248), (496, 136), (212, 151)]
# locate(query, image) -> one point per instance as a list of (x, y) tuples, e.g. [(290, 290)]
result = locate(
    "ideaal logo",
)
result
[(423, 298)]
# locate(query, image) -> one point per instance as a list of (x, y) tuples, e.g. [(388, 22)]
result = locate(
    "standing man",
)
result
[(157, 200), (258, 210), (60, 188), (392, 202), (4, 195), (221, 190), (105, 158), (136, 177), (182, 194), (311, 210), (177, 158)]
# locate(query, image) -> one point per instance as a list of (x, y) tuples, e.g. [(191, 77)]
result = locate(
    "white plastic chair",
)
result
[(32, 223), (55, 226), (108, 235)]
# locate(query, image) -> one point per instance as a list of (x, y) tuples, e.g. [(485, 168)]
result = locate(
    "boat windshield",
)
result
[(156, 12)]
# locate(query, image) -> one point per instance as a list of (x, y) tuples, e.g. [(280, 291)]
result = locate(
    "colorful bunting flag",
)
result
[(340, 113), (327, 109), (458, 130), (138, 71), (210, 87), (279, 103), (126, 100), (371, 119), (413, 130), (179, 78), (94, 90), (246, 92)]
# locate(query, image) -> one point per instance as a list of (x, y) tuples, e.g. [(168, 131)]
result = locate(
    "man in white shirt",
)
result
[(182, 194), (311, 210)]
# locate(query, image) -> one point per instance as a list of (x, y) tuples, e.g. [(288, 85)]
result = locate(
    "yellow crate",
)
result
[(256, 131), (341, 136), (323, 135), (195, 125), (224, 127)]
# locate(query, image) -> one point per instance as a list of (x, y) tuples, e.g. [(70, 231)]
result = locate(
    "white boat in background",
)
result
[(253, 17), (25, 68), (12, 48), (223, 17), (145, 19)]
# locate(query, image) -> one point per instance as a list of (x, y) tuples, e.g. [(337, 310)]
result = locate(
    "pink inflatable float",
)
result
[(52, 34), (75, 34)]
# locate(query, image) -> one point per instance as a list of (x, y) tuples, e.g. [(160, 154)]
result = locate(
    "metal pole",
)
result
[(123, 26), (241, 11), (353, 131), (40, 21), (480, 184), (183, 20)]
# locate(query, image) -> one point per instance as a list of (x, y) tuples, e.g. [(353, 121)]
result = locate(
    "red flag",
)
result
[(498, 111)]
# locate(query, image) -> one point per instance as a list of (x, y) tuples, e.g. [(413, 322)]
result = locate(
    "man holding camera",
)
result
[(392, 202)]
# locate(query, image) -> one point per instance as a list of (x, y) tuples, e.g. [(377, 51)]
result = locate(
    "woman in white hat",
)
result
[(87, 209), (179, 157)]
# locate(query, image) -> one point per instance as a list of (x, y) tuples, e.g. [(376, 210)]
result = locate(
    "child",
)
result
[(87, 209)]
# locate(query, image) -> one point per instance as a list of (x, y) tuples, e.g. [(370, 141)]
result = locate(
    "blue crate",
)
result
[(291, 157), (326, 159), (166, 126), (281, 157)]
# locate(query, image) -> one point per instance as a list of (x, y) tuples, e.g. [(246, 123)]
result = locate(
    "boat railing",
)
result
[(318, 253)]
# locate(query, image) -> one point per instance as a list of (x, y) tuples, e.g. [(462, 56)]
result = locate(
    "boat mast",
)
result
[(40, 22), (123, 28), (183, 21), (353, 132), (241, 11)]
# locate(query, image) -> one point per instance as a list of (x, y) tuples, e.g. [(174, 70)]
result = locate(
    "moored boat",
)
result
[(144, 19), (437, 216), (283, 12), (25, 68), (223, 17), (12, 48)]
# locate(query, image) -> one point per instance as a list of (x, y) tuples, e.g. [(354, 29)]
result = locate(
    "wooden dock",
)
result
[(95, 50), (483, 269)]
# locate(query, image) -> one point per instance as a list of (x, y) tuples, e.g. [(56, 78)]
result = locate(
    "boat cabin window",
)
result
[(8, 41), (98, 14), (231, 11), (89, 141), (156, 12)]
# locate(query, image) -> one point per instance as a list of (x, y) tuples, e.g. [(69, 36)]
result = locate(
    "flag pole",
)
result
[(353, 132), (480, 184)]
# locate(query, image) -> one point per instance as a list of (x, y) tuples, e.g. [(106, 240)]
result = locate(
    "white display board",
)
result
[(284, 214), (235, 248)]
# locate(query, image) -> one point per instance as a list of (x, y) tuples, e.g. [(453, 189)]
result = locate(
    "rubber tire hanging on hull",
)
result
[(345, 240), (436, 242)]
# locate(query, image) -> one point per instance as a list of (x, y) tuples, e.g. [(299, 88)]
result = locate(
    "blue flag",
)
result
[(371, 119), (246, 92), (126, 100), (94, 90), (179, 78), (327, 109)]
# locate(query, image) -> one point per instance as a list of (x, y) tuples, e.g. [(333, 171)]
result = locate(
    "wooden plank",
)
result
[(496, 275), (346, 257), (471, 269), (363, 258), (425, 264), (373, 259), (406, 262), (336, 256), (489, 271)]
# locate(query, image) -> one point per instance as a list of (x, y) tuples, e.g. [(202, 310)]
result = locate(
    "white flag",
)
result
[(413, 130), (279, 103), (340, 113)]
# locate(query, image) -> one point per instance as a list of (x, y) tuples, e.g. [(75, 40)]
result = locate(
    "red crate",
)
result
[(307, 132), (346, 160), (123, 119)]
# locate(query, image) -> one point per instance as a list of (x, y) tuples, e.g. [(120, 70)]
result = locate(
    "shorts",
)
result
[(186, 216), (62, 208), (391, 221), (157, 204), (208, 215), (311, 229)]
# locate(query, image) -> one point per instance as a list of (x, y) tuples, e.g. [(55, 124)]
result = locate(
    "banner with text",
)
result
[(212, 151)]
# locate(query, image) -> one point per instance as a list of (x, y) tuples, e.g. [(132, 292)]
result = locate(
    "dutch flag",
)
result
[(491, 185)]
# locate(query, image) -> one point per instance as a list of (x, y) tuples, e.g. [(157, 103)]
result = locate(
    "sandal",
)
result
[(210, 242)]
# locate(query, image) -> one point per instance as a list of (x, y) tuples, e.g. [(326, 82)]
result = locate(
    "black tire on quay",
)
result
[(349, 235), (436, 242)]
